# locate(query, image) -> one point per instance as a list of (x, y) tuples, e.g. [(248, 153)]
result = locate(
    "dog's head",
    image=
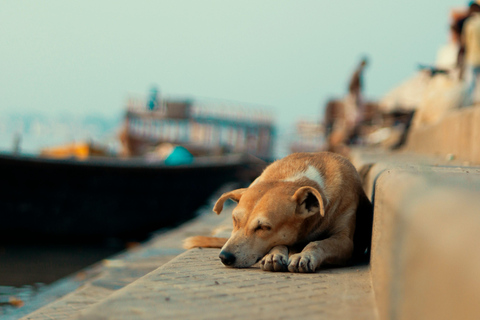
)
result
[(266, 216)]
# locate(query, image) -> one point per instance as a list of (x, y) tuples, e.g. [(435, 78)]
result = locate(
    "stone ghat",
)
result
[(425, 256), (424, 264)]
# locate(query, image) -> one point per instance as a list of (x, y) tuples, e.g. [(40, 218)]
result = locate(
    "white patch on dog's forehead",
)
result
[(311, 173)]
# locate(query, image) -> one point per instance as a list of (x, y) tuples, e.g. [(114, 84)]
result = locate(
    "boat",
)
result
[(82, 192), (90, 200), (203, 127)]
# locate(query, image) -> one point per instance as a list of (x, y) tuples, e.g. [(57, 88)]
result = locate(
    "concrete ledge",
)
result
[(458, 133), (371, 163), (196, 285), (425, 256)]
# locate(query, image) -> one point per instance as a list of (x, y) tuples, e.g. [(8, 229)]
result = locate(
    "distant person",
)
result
[(457, 28), (470, 40), (354, 104), (355, 86), (343, 117), (153, 99), (337, 131), (333, 112)]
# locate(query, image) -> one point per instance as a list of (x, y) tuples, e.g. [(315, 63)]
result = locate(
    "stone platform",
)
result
[(424, 263), (196, 285)]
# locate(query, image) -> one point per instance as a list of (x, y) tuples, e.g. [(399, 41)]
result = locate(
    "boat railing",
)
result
[(206, 124)]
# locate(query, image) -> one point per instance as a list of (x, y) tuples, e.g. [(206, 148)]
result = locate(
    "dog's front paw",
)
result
[(274, 262), (302, 262)]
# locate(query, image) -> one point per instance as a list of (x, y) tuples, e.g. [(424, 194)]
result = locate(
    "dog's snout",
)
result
[(227, 258)]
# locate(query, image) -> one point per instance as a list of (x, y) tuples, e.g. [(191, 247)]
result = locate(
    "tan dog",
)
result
[(310, 203)]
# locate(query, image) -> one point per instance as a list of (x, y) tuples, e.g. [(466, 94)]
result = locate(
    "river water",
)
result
[(26, 270)]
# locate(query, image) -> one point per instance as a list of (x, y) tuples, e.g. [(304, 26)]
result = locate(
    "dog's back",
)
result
[(331, 173)]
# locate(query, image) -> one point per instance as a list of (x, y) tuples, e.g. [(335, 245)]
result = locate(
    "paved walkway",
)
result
[(115, 273), (196, 285)]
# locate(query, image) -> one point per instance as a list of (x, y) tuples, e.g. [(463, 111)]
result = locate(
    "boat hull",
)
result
[(86, 201)]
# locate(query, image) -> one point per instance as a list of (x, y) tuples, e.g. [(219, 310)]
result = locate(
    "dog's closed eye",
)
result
[(263, 227)]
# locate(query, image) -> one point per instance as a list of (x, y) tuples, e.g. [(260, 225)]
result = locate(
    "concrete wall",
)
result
[(425, 250), (458, 133)]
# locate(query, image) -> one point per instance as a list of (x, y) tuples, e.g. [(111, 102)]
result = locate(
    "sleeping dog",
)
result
[(304, 211)]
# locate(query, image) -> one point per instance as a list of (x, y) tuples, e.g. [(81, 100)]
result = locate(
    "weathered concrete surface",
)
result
[(196, 285), (426, 227), (371, 163), (458, 134), (425, 256), (113, 274)]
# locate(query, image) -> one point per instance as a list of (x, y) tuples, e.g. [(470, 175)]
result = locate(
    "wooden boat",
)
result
[(45, 199), (76, 193)]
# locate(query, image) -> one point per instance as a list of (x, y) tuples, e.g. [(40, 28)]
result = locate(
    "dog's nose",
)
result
[(227, 258)]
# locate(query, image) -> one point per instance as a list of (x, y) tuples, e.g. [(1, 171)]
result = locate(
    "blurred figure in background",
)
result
[(354, 102), (457, 30), (343, 117), (356, 83), (470, 45), (333, 111), (336, 129), (153, 99)]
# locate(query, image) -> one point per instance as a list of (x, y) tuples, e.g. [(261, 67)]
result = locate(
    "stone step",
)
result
[(456, 134), (370, 163), (424, 263), (425, 257)]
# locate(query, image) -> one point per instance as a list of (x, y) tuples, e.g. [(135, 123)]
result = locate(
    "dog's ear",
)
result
[(309, 201), (234, 195)]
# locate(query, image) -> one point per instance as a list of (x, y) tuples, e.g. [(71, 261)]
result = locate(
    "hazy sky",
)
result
[(86, 56)]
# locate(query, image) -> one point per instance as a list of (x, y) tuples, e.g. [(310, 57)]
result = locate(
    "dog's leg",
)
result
[(335, 250), (276, 259)]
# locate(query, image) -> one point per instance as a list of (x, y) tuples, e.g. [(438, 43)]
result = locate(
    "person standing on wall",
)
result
[(470, 43)]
